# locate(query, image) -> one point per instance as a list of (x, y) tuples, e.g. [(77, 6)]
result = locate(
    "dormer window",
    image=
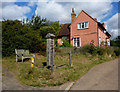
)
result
[(82, 25)]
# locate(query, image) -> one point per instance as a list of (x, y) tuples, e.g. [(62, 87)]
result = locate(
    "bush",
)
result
[(57, 49), (93, 50), (66, 43), (105, 51), (117, 52), (18, 36), (89, 49)]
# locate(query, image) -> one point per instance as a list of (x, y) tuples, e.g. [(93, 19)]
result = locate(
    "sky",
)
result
[(104, 11)]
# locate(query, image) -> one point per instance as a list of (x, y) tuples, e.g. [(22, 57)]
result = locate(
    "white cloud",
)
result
[(31, 3), (52, 11), (78, 0), (8, 0), (12, 11), (112, 25), (0, 11), (62, 11)]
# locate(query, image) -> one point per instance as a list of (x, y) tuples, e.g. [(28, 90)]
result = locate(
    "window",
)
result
[(82, 25), (108, 43), (99, 40), (76, 41)]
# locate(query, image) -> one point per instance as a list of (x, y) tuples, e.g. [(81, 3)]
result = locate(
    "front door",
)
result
[(76, 41)]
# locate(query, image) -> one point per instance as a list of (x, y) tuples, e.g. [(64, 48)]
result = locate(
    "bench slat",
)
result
[(21, 53)]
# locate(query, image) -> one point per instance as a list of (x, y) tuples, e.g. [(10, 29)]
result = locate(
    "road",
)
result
[(100, 77)]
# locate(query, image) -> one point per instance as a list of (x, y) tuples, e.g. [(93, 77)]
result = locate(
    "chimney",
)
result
[(103, 24), (95, 19), (73, 15)]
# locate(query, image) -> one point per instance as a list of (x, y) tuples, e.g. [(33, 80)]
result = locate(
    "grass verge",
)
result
[(40, 76)]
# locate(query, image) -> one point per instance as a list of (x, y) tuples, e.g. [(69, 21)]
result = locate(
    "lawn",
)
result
[(40, 76)]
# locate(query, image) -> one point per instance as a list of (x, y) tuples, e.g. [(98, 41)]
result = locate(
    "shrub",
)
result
[(57, 49), (18, 36), (100, 51), (89, 49), (93, 50), (105, 51), (65, 43), (117, 52)]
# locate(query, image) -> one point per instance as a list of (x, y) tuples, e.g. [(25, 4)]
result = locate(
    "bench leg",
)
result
[(16, 58), (34, 57), (22, 59)]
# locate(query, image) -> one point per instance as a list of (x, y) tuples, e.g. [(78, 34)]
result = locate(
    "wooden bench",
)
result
[(22, 54)]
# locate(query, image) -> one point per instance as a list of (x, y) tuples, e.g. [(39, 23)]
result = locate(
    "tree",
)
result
[(45, 30), (36, 22), (18, 36), (116, 42), (27, 35), (56, 26), (53, 29)]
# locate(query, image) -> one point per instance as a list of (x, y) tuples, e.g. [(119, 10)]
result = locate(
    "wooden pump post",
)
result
[(50, 50)]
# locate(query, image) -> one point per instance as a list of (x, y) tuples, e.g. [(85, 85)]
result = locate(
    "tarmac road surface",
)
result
[(100, 77)]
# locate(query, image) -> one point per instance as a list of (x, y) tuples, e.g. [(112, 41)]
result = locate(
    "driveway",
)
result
[(100, 77)]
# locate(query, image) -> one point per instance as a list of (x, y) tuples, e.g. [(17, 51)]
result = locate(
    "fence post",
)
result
[(70, 59)]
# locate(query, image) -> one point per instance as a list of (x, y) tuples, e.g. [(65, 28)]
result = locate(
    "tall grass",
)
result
[(82, 60), (40, 76)]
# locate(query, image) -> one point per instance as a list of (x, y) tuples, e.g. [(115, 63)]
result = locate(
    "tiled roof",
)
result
[(65, 30)]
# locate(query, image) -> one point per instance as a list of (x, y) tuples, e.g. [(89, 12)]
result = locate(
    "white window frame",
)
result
[(76, 43), (108, 43), (79, 25), (99, 40)]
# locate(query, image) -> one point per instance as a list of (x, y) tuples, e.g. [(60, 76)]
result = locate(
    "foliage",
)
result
[(65, 42), (105, 50), (115, 42), (93, 50), (56, 26), (18, 36), (53, 29), (45, 30), (88, 49), (56, 42), (36, 22), (27, 35), (117, 52)]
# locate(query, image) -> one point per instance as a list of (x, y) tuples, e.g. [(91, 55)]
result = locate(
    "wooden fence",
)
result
[(64, 54)]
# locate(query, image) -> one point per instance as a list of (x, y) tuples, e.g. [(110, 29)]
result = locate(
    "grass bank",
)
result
[(40, 76)]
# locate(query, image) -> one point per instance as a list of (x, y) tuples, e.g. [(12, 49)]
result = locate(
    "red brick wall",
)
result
[(60, 41), (86, 35), (103, 36)]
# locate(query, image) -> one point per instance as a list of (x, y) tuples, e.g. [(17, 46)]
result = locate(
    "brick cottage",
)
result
[(82, 30)]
